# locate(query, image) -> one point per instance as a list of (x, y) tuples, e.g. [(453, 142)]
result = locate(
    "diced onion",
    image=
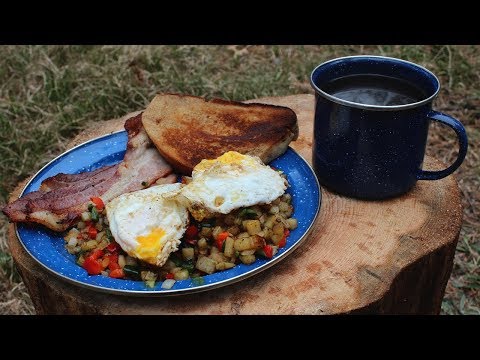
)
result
[(168, 284), (72, 242), (121, 261)]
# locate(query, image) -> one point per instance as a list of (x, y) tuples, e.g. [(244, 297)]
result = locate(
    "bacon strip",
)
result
[(62, 198)]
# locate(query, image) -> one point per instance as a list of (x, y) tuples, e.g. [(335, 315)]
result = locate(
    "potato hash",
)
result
[(215, 244)]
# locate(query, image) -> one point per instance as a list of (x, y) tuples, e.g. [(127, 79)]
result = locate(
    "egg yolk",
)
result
[(230, 157), (149, 246)]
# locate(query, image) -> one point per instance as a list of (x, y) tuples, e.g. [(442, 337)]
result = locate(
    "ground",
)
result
[(50, 93)]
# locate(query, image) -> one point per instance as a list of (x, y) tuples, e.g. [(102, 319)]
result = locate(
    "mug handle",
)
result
[(463, 142)]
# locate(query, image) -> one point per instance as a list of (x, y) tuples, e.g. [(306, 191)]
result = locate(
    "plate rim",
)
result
[(169, 292)]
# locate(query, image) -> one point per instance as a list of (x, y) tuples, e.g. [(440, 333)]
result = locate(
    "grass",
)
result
[(50, 93)]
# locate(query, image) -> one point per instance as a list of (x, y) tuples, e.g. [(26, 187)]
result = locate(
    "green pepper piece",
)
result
[(150, 283), (176, 260), (94, 214), (188, 265), (131, 271), (198, 281), (248, 213)]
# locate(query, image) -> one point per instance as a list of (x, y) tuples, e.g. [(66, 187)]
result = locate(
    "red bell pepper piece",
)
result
[(169, 276), (192, 231), (221, 239), (92, 232), (191, 241), (117, 273), (96, 254), (98, 202), (113, 247), (268, 250), (92, 264), (283, 242), (113, 262), (93, 267)]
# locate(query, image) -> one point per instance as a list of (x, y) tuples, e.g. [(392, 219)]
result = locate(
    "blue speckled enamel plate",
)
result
[(48, 247)]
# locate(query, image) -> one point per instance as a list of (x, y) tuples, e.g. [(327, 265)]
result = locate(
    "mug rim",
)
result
[(374, 107)]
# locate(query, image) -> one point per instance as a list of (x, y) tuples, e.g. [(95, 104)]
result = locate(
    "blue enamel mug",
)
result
[(372, 115)]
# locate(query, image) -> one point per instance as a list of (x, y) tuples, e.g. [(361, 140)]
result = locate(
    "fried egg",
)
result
[(146, 225), (229, 182)]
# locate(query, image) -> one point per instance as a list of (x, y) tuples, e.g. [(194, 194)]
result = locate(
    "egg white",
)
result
[(146, 225)]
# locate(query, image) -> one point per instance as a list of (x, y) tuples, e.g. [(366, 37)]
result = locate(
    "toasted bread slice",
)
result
[(186, 129)]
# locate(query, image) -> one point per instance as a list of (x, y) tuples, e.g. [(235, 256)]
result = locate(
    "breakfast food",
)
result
[(231, 181), (186, 129), (149, 227), (215, 244), (133, 220), (62, 198), (146, 225)]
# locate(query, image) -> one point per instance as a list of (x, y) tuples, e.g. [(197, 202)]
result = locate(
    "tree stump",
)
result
[(388, 257)]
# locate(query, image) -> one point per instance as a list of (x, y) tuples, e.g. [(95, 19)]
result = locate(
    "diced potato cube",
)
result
[(73, 233), (206, 231), (270, 222), (247, 259), (218, 257), (89, 245), (202, 243), (276, 239), (234, 230), (86, 216), (229, 250), (224, 266), (247, 252), (80, 260), (188, 253), (181, 275), (243, 235), (289, 212), (274, 209), (121, 261), (278, 229), (175, 269), (283, 206), (250, 243), (216, 230), (72, 242), (205, 264), (252, 226), (292, 223), (103, 244), (148, 275)]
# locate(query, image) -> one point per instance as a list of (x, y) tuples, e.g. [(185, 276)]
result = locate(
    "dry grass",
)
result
[(50, 93)]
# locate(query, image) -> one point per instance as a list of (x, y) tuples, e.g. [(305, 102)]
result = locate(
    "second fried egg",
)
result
[(229, 182)]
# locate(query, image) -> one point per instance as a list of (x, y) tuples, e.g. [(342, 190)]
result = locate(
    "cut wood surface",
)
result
[(391, 256)]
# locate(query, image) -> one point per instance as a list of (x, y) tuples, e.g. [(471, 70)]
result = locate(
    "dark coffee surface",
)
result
[(371, 89)]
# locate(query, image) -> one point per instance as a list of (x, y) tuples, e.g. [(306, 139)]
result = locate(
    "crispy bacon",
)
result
[(62, 198)]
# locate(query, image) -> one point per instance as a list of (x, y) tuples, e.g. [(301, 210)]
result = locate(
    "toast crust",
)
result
[(186, 129)]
